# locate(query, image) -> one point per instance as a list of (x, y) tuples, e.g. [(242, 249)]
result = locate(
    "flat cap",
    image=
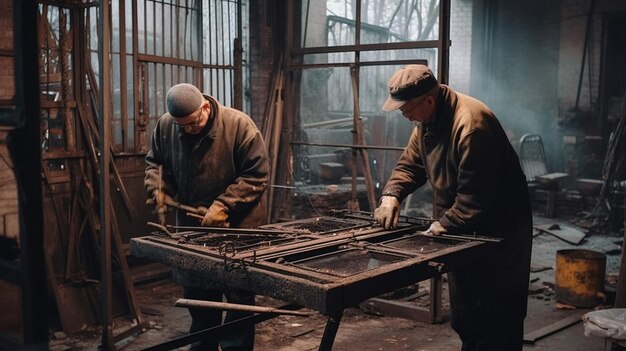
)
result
[(407, 83), (183, 99)]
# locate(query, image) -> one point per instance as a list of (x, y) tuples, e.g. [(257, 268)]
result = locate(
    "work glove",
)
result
[(388, 212), (160, 199), (216, 216), (436, 229)]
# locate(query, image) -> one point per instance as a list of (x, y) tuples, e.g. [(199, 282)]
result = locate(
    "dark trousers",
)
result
[(487, 315), (241, 339), (507, 336)]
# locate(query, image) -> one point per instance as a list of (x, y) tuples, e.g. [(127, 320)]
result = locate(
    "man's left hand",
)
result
[(216, 216), (436, 229)]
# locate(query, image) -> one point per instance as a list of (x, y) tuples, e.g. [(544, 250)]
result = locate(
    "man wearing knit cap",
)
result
[(461, 149), (212, 157)]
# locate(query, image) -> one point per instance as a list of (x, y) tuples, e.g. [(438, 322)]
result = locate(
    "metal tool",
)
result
[(196, 211), (168, 201)]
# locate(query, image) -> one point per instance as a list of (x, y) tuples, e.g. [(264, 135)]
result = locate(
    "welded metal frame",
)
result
[(277, 271)]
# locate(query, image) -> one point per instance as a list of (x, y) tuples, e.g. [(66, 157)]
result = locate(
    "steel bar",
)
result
[(214, 305)]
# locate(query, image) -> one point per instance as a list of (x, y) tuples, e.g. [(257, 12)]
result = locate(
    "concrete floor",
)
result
[(359, 330)]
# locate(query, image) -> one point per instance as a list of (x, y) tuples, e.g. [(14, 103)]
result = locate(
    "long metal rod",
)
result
[(225, 306)]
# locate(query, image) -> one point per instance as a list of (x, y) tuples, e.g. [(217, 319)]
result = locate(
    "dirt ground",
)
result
[(358, 330)]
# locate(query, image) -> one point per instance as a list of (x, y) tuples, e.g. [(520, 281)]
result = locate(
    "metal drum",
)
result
[(580, 277)]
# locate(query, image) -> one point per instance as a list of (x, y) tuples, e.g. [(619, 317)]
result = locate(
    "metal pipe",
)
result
[(234, 307)]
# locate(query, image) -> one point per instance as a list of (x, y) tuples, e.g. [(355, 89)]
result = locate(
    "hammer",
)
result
[(200, 211)]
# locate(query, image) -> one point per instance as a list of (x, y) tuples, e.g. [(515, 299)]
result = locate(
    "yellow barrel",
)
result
[(580, 277)]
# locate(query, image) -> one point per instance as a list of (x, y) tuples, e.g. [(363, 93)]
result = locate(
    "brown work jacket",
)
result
[(229, 164), (479, 188)]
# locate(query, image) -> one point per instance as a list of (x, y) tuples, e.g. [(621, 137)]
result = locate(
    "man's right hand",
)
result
[(388, 212), (160, 200)]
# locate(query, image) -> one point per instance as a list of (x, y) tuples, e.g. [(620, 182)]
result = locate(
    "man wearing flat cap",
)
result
[(461, 149), (212, 157)]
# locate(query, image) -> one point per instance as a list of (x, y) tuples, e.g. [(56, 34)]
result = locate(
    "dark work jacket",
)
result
[(228, 163), (479, 188)]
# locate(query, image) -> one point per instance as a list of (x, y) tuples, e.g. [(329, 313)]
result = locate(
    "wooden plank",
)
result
[(541, 333), (394, 308), (566, 233)]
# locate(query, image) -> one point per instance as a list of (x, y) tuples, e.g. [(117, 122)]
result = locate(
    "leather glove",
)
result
[(388, 212), (436, 229), (160, 200), (216, 216)]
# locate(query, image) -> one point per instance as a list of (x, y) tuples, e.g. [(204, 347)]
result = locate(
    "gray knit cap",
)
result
[(183, 99)]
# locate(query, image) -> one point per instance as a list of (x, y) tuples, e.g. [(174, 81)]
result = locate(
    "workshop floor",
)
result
[(364, 332)]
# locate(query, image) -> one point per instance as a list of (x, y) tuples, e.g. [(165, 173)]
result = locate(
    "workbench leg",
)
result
[(436, 312), (330, 331)]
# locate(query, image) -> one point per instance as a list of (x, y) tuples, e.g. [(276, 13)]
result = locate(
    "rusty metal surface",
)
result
[(324, 263)]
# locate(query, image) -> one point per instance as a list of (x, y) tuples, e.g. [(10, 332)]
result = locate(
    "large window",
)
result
[(347, 49)]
